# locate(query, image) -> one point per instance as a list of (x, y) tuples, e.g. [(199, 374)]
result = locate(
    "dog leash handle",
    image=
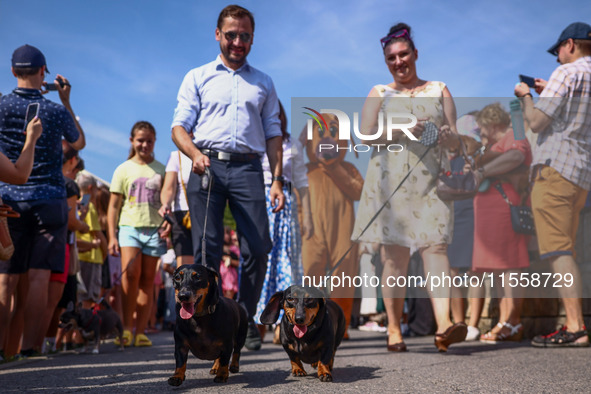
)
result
[(206, 183)]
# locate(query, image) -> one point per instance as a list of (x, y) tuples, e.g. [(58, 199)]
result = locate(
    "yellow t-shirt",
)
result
[(94, 255), (140, 186)]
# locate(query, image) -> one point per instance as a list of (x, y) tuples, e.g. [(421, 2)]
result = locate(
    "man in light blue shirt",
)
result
[(233, 112)]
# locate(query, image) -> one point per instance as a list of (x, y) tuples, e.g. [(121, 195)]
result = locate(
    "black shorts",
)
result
[(181, 236), (38, 235)]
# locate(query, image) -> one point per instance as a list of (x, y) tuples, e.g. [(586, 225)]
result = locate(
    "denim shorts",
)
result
[(145, 238)]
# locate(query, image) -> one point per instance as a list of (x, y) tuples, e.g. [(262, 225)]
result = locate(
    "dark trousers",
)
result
[(241, 186)]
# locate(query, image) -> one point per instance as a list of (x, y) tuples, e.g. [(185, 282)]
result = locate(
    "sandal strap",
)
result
[(514, 328)]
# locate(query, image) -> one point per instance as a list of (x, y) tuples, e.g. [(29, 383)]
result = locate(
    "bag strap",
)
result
[(500, 189), (467, 158), (181, 175)]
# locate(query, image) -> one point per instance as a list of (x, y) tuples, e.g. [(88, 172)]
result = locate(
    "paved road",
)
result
[(362, 364)]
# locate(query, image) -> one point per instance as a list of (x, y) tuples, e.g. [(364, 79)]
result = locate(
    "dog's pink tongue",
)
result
[(299, 330), (187, 310)]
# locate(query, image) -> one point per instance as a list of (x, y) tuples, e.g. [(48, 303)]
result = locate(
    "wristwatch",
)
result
[(279, 178)]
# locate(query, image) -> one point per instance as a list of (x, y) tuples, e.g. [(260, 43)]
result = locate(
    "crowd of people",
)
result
[(77, 239)]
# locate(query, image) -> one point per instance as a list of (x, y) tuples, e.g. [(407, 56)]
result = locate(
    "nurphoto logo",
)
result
[(394, 121)]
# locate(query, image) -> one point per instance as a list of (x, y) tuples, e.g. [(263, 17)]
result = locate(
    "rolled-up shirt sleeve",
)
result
[(188, 103), (270, 113)]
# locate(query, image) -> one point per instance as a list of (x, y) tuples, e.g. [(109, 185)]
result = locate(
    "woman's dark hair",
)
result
[(398, 27), (141, 125), (283, 119), (102, 204)]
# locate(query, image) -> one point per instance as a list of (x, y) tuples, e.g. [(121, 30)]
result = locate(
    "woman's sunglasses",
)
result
[(397, 34)]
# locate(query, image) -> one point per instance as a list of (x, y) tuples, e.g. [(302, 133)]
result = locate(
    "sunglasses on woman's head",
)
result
[(397, 34), (231, 36)]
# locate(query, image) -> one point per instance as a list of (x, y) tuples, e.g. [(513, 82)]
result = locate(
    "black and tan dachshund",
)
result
[(210, 326), (311, 329)]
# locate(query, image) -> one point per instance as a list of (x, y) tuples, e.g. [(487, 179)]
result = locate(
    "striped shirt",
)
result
[(565, 144)]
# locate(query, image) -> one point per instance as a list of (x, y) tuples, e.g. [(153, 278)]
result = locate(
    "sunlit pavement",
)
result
[(361, 364)]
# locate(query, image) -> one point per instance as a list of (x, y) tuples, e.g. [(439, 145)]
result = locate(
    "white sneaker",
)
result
[(473, 334)]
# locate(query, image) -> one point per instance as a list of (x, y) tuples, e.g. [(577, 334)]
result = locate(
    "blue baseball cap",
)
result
[(576, 31), (28, 56)]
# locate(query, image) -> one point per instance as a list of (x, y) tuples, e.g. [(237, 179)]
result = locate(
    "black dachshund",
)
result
[(210, 326), (311, 329)]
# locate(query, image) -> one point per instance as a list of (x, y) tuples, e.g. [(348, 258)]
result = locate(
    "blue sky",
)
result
[(126, 59)]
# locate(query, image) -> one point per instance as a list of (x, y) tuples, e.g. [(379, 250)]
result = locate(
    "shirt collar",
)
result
[(219, 65), (27, 92)]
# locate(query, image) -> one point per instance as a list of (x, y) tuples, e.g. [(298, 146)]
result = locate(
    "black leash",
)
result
[(206, 183), (428, 139)]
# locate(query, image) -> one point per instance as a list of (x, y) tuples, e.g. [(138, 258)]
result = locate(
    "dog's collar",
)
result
[(210, 310)]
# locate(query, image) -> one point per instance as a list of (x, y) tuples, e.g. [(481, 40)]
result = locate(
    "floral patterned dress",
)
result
[(414, 217)]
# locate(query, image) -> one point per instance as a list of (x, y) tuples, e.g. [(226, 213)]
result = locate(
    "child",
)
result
[(92, 244), (229, 264), (133, 207)]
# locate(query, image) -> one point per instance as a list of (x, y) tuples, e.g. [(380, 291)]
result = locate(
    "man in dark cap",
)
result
[(39, 235), (562, 170)]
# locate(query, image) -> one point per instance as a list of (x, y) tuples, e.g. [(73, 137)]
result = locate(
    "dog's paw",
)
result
[(213, 371), (298, 372), (234, 368), (315, 365), (326, 377), (220, 379), (175, 381)]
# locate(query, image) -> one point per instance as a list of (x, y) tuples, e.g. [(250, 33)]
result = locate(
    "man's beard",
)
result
[(233, 58)]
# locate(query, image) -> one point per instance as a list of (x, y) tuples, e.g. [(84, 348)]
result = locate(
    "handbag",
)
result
[(6, 245), (461, 185), (187, 217), (522, 218)]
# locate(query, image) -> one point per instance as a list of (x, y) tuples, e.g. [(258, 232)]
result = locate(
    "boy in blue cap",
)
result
[(562, 170)]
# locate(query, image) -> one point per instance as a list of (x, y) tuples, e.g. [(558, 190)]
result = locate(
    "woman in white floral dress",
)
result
[(414, 218)]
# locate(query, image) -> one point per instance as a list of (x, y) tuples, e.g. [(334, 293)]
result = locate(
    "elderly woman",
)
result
[(414, 218), (497, 248)]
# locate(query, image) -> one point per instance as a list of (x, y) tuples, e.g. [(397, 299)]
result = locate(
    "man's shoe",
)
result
[(562, 338), (253, 337)]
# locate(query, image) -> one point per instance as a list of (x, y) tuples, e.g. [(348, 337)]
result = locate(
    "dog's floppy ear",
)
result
[(274, 306), (213, 293)]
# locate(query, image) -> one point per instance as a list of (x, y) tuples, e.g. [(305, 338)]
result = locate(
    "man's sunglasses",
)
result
[(397, 34), (231, 36)]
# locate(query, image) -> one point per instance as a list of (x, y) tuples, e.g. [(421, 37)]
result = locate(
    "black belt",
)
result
[(229, 156)]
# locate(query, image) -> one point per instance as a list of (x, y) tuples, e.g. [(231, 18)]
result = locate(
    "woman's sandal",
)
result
[(454, 334), (126, 339), (141, 340), (514, 335), (395, 347)]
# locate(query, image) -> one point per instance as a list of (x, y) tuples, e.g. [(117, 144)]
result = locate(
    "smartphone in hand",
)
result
[(32, 112), (53, 86), (85, 200), (529, 81)]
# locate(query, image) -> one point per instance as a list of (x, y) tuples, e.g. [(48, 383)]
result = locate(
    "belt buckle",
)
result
[(225, 156)]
